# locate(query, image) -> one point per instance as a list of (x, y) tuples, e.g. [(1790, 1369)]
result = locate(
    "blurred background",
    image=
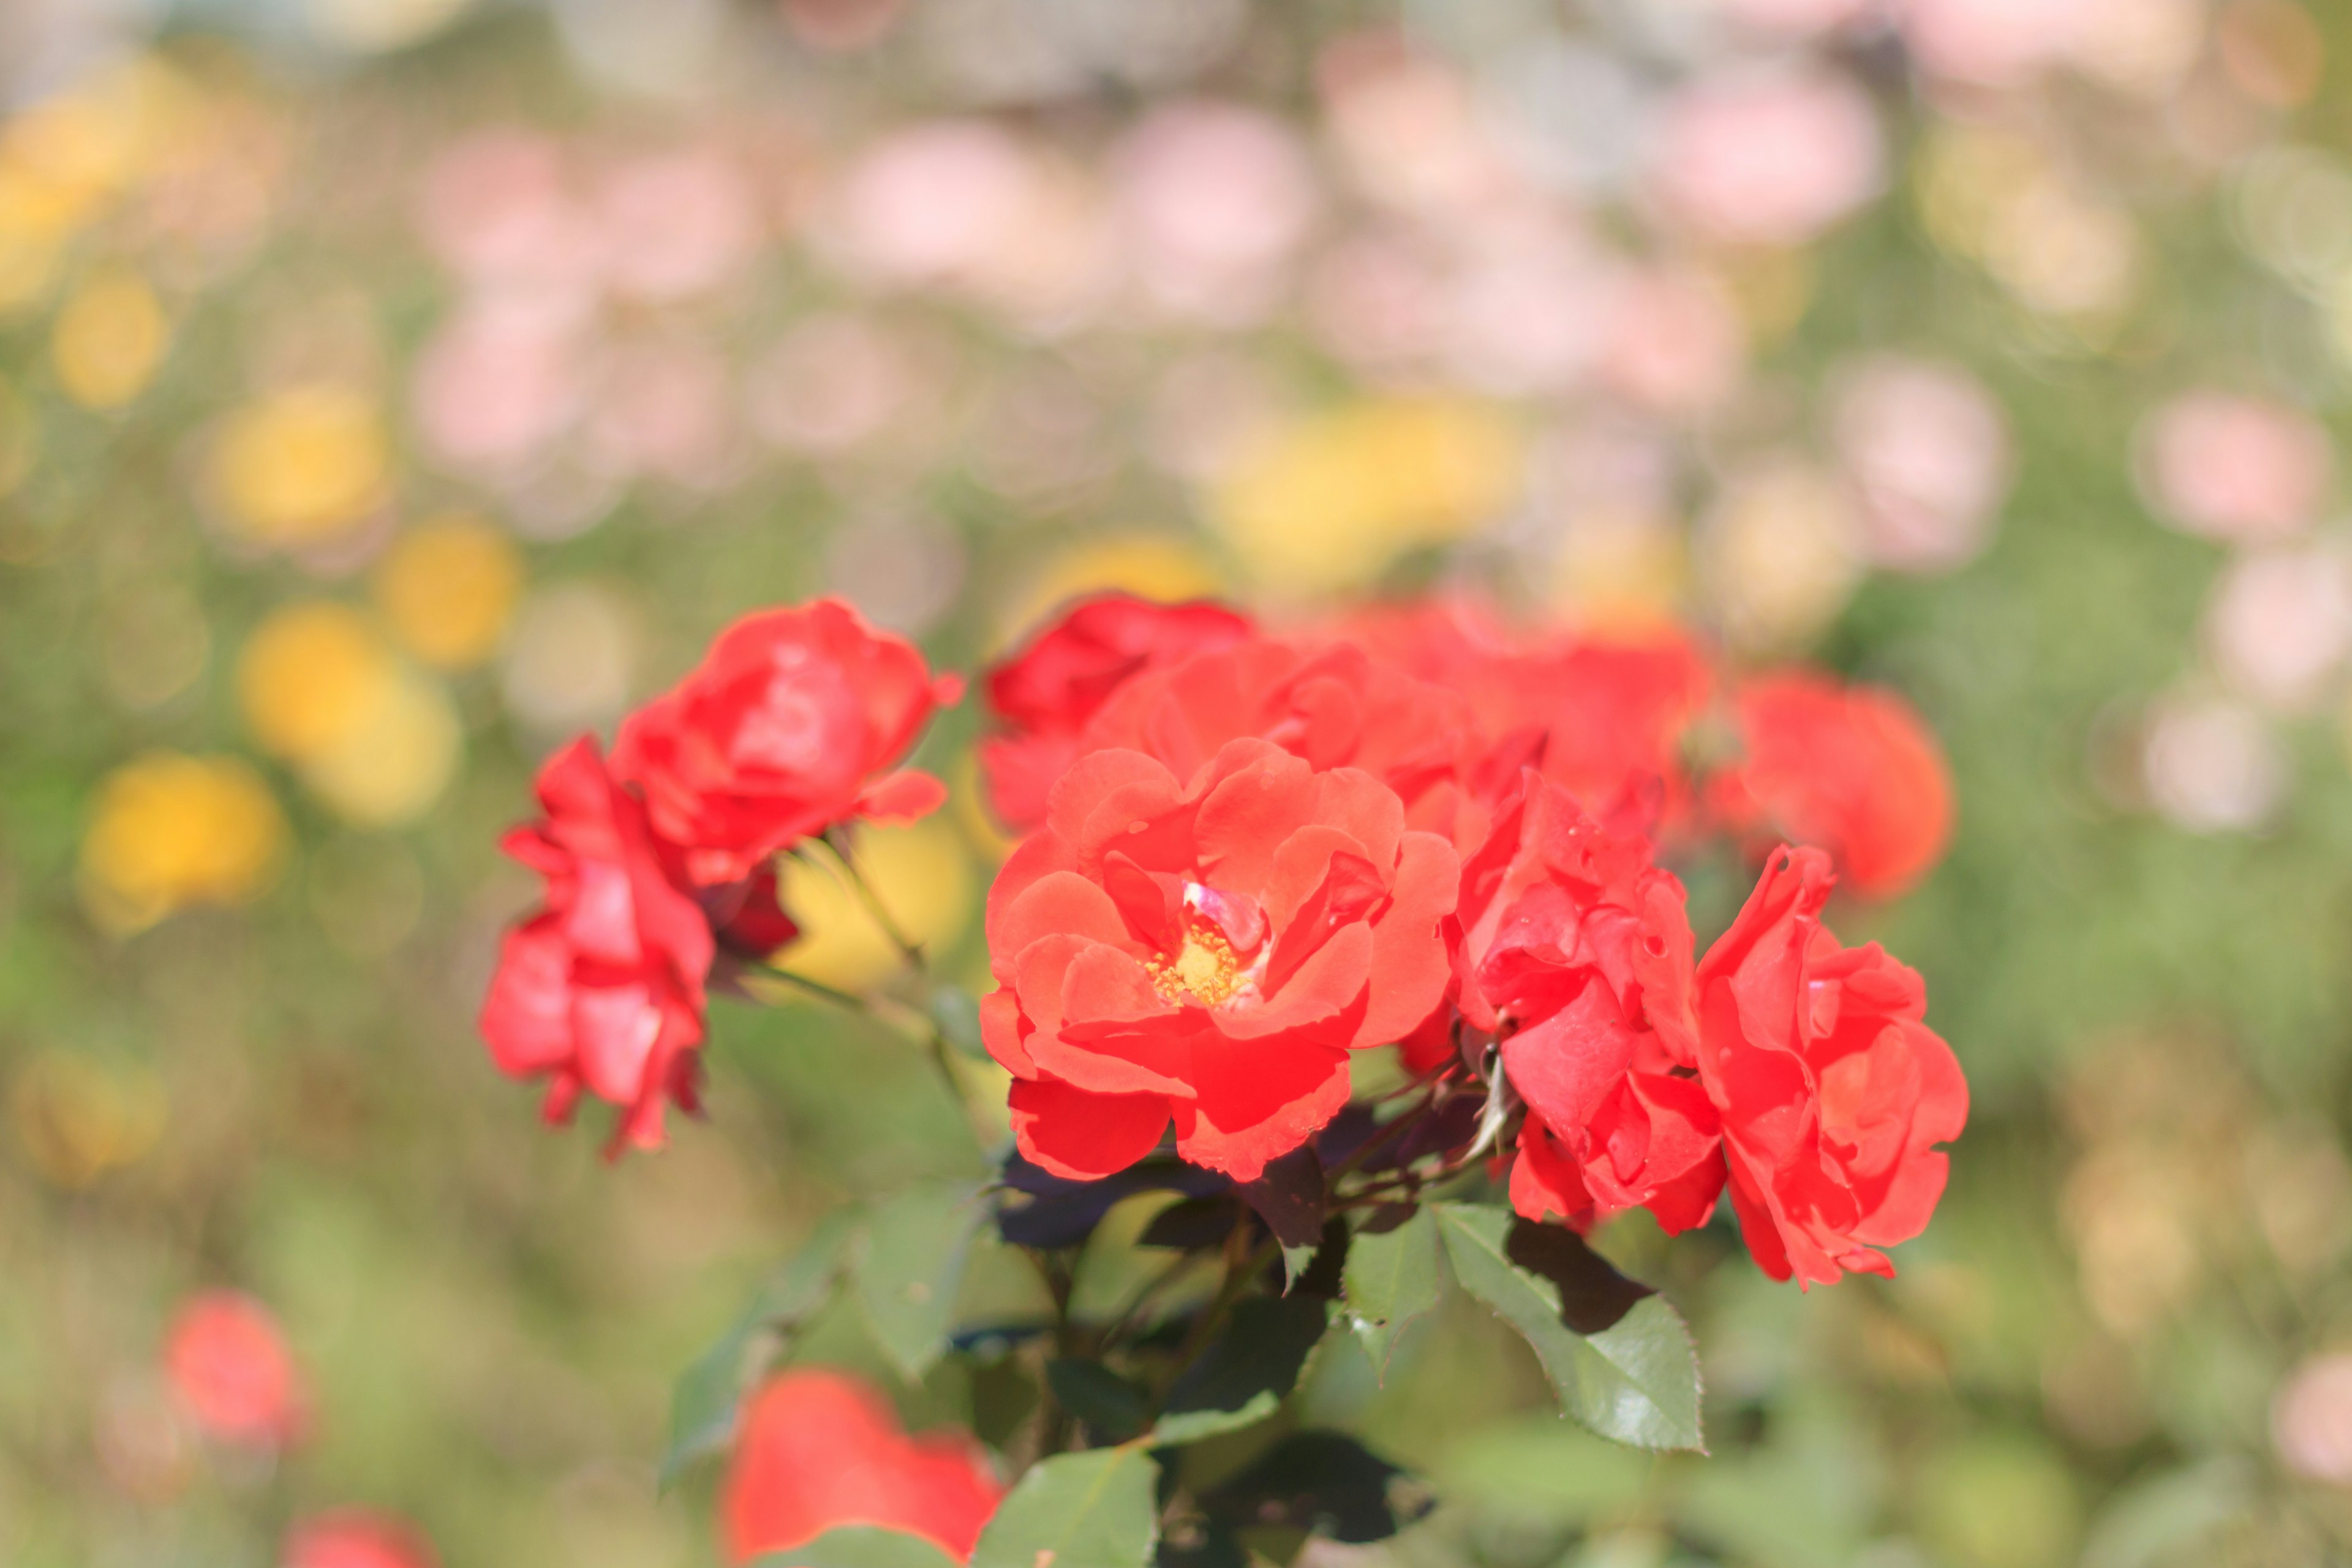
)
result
[(390, 389)]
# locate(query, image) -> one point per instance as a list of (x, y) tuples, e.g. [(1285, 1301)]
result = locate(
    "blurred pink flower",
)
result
[(496, 383), (355, 1538), (496, 213), (2280, 624), (832, 382), (1928, 451), (840, 26), (1406, 125), (931, 203), (664, 408), (1524, 307), (1374, 299), (1994, 42), (2213, 766), (1213, 199), (1768, 158), (1676, 345), (2225, 466), (2311, 1419), (676, 223)]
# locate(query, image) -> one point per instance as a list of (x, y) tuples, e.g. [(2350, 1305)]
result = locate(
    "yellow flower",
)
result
[(172, 830), (1330, 502), (447, 589), (301, 465), (920, 873), (1778, 556), (109, 339), (1620, 571), (393, 762), (308, 677), (1149, 565)]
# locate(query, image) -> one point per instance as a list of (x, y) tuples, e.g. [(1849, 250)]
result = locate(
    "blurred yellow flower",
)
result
[(1780, 554), (110, 337), (301, 466), (922, 875), (1149, 565), (34, 229), (447, 589), (1620, 572), (391, 765), (1329, 502), (374, 27), (171, 831), (77, 1117), (1964, 179), (309, 675)]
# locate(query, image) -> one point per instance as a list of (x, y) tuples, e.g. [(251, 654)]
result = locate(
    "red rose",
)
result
[(785, 728), (1208, 952), (228, 1363), (1832, 1091), (356, 1538), (1044, 695), (1594, 714), (1852, 769), (603, 988), (1334, 705), (820, 1450), (1576, 951)]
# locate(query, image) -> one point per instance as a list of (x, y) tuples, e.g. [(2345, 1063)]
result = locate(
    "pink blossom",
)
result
[(677, 224), (496, 211), (2226, 467), (1768, 158), (1929, 451), (1213, 199), (496, 383), (1674, 345), (2280, 623)]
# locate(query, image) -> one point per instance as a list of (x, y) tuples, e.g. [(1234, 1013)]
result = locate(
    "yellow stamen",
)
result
[(1204, 971)]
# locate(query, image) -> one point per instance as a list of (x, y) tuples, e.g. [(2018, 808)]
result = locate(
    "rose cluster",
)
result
[(1251, 854), (662, 857), (1247, 854)]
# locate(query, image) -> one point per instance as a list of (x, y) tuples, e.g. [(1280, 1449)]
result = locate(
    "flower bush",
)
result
[(1361, 941)]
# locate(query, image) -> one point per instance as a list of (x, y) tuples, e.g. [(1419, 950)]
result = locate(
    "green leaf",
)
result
[(956, 1012), (1393, 1277), (1248, 1371), (858, 1546), (1097, 1510), (1108, 1404), (704, 1401), (1636, 1381), (914, 1252)]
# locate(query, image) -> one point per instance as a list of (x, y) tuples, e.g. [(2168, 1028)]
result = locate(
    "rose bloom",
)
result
[(1330, 703), (356, 1538), (2240, 469), (603, 987), (1207, 950), (1045, 692), (1850, 768), (1598, 716), (1831, 1089), (788, 726), (1576, 950), (820, 1450), (228, 1364)]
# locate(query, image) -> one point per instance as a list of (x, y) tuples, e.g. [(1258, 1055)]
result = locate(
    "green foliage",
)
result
[(916, 1246), (1635, 1379), (1100, 1509), (1248, 1371), (1393, 1279)]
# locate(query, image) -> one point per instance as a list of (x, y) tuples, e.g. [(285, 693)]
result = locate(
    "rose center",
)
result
[(1204, 971)]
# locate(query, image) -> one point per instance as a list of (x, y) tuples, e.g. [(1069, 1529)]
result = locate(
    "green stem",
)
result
[(838, 842), (817, 988)]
